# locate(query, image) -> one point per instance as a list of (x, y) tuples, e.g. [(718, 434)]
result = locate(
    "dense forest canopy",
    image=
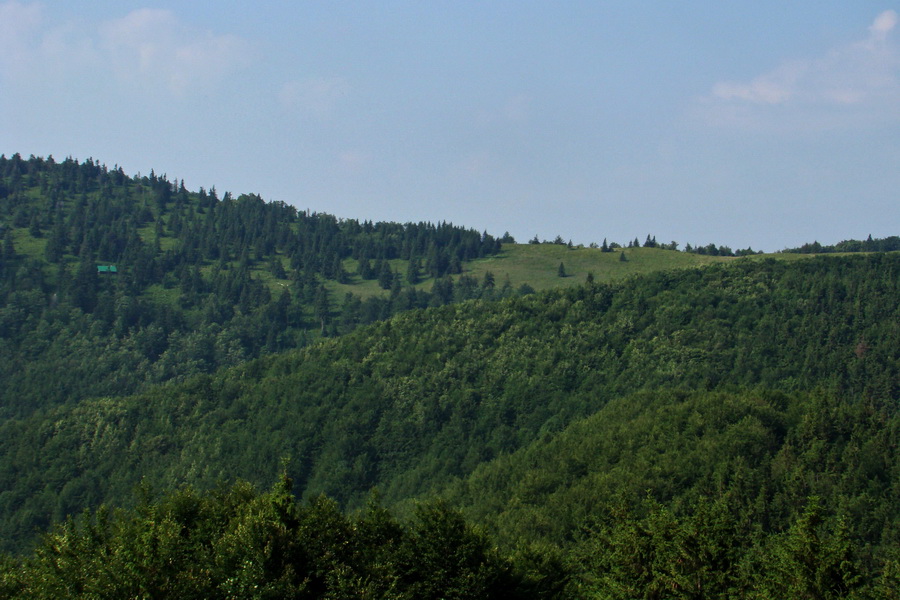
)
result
[(725, 431), (198, 282), (727, 360)]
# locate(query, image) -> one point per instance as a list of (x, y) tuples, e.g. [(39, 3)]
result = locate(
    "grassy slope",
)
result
[(533, 264), (537, 265)]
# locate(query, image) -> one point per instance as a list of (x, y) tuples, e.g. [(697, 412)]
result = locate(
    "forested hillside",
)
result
[(109, 283), (733, 492), (724, 431), (769, 382)]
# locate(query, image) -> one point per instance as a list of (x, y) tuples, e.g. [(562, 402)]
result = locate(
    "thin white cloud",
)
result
[(147, 48), (772, 88), (155, 44), (883, 25), (852, 83), (19, 24), (315, 97)]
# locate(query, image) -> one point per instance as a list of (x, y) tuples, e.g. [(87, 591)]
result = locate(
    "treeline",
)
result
[(237, 543), (198, 282), (85, 207), (888, 244), (650, 242), (408, 404)]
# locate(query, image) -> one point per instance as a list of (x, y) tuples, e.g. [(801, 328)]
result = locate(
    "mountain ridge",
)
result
[(718, 414)]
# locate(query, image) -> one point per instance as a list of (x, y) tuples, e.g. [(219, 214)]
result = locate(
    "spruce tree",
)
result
[(385, 276), (412, 271), (488, 282), (322, 306), (9, 250)]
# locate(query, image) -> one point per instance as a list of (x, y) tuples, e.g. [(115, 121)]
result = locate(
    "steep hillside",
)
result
[(109, 283), (649, 423), (408, 404), (750, 494), (766, 453)]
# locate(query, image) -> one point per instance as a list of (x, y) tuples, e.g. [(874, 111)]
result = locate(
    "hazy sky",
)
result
[(755, 123)]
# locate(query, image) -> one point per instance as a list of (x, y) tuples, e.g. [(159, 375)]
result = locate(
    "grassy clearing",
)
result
[(538, 264), (160, 295), (369, 288), (26, 245), (534, 264)]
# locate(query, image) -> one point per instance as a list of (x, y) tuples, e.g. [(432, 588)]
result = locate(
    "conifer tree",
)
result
[(9, 250), (322, 306), (412, 271), (488, 283), (385, 276)]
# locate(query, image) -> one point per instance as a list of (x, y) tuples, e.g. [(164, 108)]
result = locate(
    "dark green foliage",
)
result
[(714, 552), (723, 432), (814, 559), (888, 244), (488, 285), (193, 289), (704, 495), (412, 271), (407, 404), (713, 250), (385, 276), (236, 543), (9, 249)]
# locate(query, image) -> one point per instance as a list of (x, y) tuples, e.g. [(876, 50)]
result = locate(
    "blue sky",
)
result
[(757, 124)]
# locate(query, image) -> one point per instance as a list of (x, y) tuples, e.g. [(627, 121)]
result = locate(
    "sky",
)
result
[(750, 124)]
